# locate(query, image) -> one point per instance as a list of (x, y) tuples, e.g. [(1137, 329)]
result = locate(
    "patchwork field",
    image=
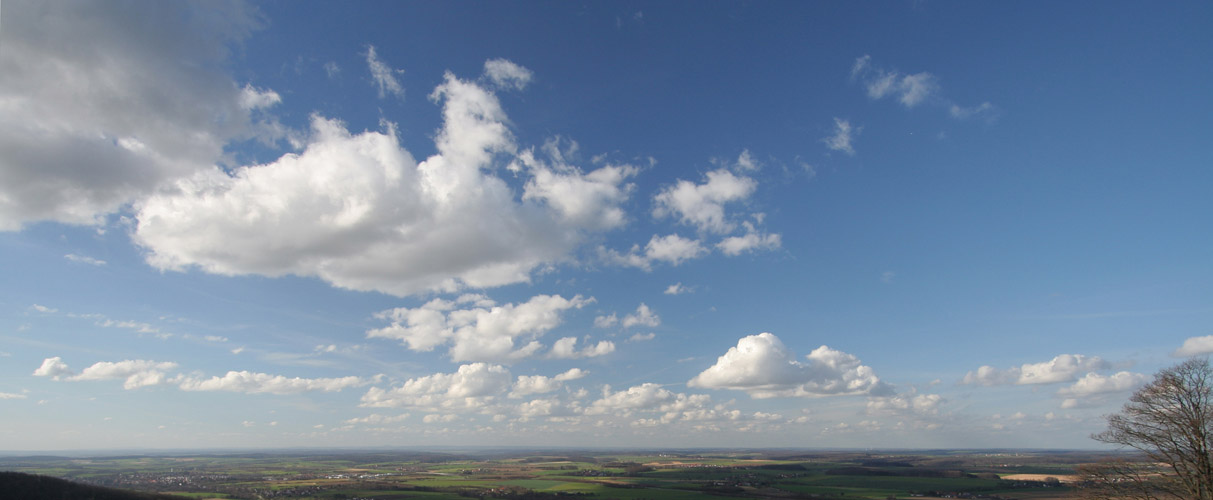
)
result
[(586, 474)]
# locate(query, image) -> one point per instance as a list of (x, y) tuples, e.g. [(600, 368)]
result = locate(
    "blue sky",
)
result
[(896, 224)]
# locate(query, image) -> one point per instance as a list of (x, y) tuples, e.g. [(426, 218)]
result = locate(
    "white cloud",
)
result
[(43, 309), (1062, 368), (589, 200), (540, 384), (642, 337), (360, 213), (1195, 346), (53, 367), (377, 419), (435, 418), (677, 289), (566, 348), (763, 367), (642, 317), (383, 76), (746, 161), (1094, 384), (985, 109), (606, 321), (506, 74), (101, 103), (259, 383), (137, 372), (843, 136), (471, 386), (672, 248), (9, 395), (84, 259), (750, 241), (916, 403), (702, 205), (484, 333), (910, 90)]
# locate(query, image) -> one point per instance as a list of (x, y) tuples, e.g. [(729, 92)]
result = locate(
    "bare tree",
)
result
[(1170, 421)]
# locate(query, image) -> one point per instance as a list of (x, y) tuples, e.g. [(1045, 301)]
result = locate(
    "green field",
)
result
[(584, 474)]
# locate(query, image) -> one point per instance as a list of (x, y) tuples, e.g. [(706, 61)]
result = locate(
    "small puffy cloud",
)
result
[(54, 368), (677, 289), (137, 372), (1195, 346), (642, 337), (672, 248), (746, 161), (582, 199), (9, 395), (1062, 368), (915, 403), (84, 259), (435, 418), (910, 90), (763, 367), (1094, 384), (606, 321), (702, 205), (985, 109), (842, 137), (750, 241), (506, 74), (383, 76), (377, 419), (43, 309), (483, 333), (540, 384), (642, 317), (264, 383), (566, 348), (471, 386)]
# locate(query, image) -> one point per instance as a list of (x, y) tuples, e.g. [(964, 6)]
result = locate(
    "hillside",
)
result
[(35, 487)]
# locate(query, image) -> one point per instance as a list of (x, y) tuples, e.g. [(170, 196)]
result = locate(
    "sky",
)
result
[(923, 224)]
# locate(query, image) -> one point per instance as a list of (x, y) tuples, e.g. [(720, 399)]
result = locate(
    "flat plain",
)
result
[(790, 474)]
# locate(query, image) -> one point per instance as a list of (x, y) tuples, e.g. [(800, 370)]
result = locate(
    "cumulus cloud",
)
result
[(703, 205), (54, 368), (677, 289), (540, 384), (357, 210), (1062, 368), (1094, 384), (914, 403), (506, 74), (752, 240), (485, 332), (566, 348), (259, 383), (1195, 346), (383, 77), (589, 200), (471, 386), (377, 419), (9, 395), (762, 366), (671, 248), (84, 259), (642, 337), (135, 372), (642, 317), (842, 137), (912, 89), (101, 103)]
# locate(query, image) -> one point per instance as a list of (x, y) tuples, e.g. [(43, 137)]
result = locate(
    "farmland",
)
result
[(576, 474)]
